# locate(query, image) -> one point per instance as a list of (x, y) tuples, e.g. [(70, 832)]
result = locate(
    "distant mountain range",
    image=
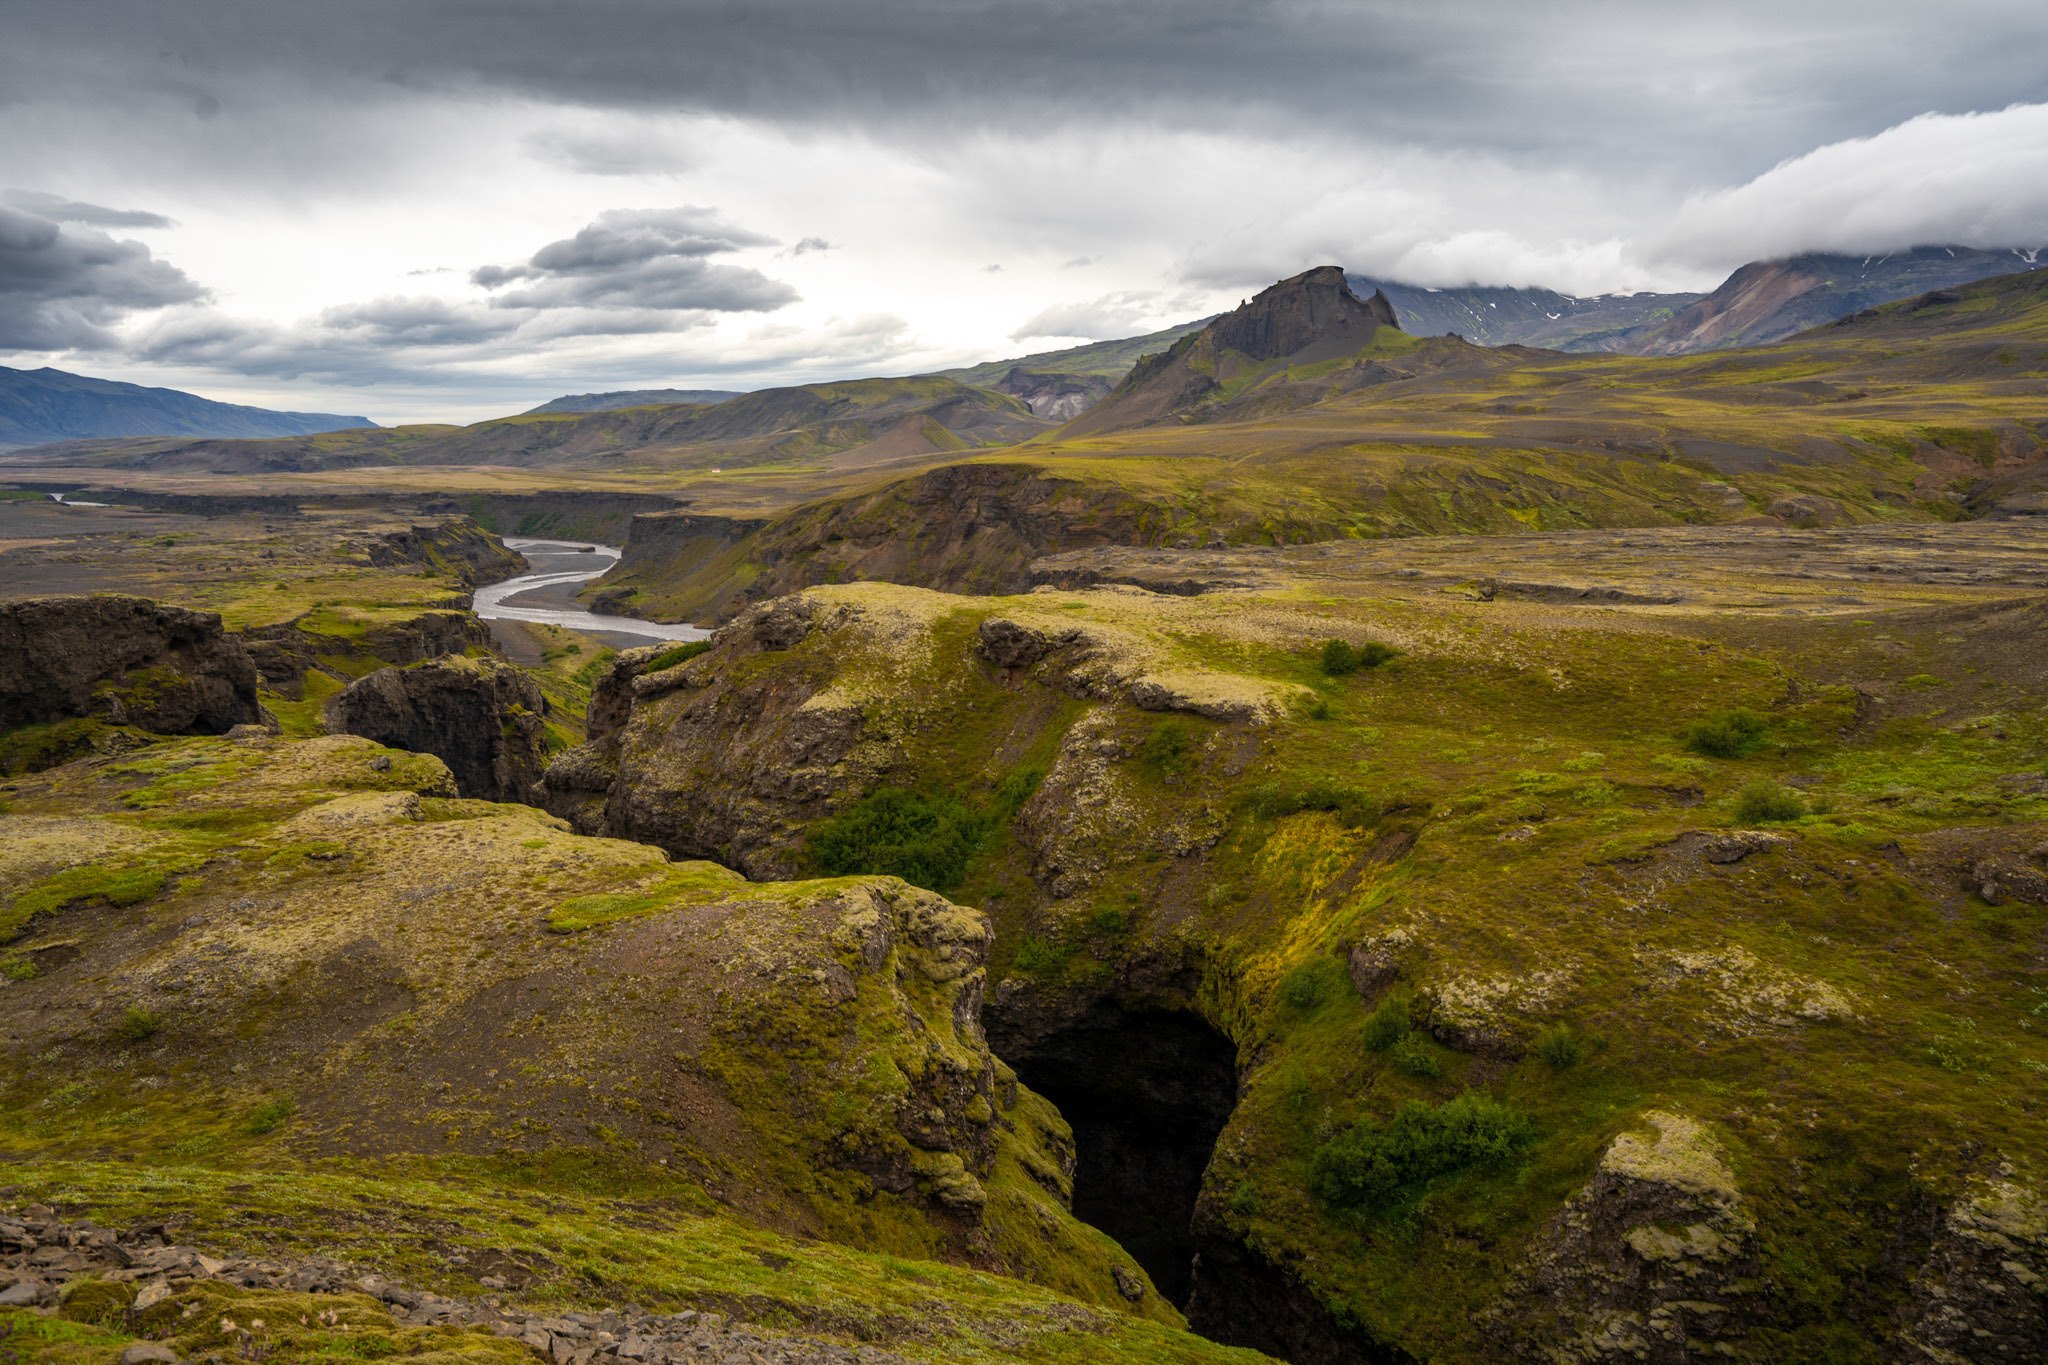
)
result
[(40, 406), (1762, 302), (879, 421), (629, 398), (1521, 317)]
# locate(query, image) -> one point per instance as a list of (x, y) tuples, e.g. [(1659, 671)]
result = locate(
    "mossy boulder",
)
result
[(125, 661)]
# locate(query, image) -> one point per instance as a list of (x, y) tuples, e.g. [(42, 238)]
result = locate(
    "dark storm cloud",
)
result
[(645, 259), (1734, 85), (62, 286), (61, 210)]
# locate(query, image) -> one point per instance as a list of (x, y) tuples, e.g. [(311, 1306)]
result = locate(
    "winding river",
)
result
[(546, 594)]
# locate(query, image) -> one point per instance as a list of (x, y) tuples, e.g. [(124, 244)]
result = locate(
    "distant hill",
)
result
[(853, 424), (1767, 301), (40, 406), (1521, 317), (1060, 385), (629, 398)]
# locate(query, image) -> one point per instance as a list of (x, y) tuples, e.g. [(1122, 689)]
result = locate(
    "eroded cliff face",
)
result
[(285, 653), (458, 548), (124, 660), (961, 528), (428, 979), (1372, 896), (483, 718)]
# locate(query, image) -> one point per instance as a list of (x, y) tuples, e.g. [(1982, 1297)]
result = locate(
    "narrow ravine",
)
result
[(546, 594)]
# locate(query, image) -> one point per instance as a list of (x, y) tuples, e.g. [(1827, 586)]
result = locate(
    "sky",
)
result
[(445, 210)]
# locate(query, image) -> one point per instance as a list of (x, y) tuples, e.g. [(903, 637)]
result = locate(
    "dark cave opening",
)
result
[(1146, 1093)]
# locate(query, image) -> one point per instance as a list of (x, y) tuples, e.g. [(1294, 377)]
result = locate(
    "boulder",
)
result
[(1982, 1293), (1652, 1261), (126, 660), (481, 717)]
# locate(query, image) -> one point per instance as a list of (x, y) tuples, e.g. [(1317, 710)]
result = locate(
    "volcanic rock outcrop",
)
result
[(126, 660), (480, 717), (1311, 318)]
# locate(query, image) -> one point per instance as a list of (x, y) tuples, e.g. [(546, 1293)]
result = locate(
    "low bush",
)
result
[(1354, 807), (1764, 802), (1016, 788), (1309, 985), (1340, 657), (1561, 1046), (926, 840), (1731, 734), (268, 1116), (138, 1025), (1169, 749), (1039, 956), (1414, 1056), (678, 654), (1371, 1165), (1388, 1023)]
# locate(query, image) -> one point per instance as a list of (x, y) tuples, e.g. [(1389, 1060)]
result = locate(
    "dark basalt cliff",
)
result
[(125, 660), (480, 717)]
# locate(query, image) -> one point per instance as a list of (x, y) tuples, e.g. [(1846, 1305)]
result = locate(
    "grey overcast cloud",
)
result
[(430, 210)]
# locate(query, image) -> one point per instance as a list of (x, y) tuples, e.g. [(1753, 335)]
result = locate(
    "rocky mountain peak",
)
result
[(1311, 309)]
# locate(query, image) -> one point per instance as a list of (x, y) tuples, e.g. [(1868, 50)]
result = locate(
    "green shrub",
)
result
[(17, 968), (1732, 734), (677, 654), (1308, 985), (269, 1115), (1388, 1023), (1414, 1056), (1562, 1046), (1111, 919), (1341, 657), (1169, 749), (1371, 1165), (1354, 807), (1016, 788), (1764, 802), (1040, 956), (926, 840), (138, 1025)]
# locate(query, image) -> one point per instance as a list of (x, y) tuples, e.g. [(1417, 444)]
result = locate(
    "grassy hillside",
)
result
[(1929, 408), (1721, 914), (448, 1039)]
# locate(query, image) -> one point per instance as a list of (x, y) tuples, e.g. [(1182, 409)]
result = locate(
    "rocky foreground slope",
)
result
[(1631, 966), (423, 1018)]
